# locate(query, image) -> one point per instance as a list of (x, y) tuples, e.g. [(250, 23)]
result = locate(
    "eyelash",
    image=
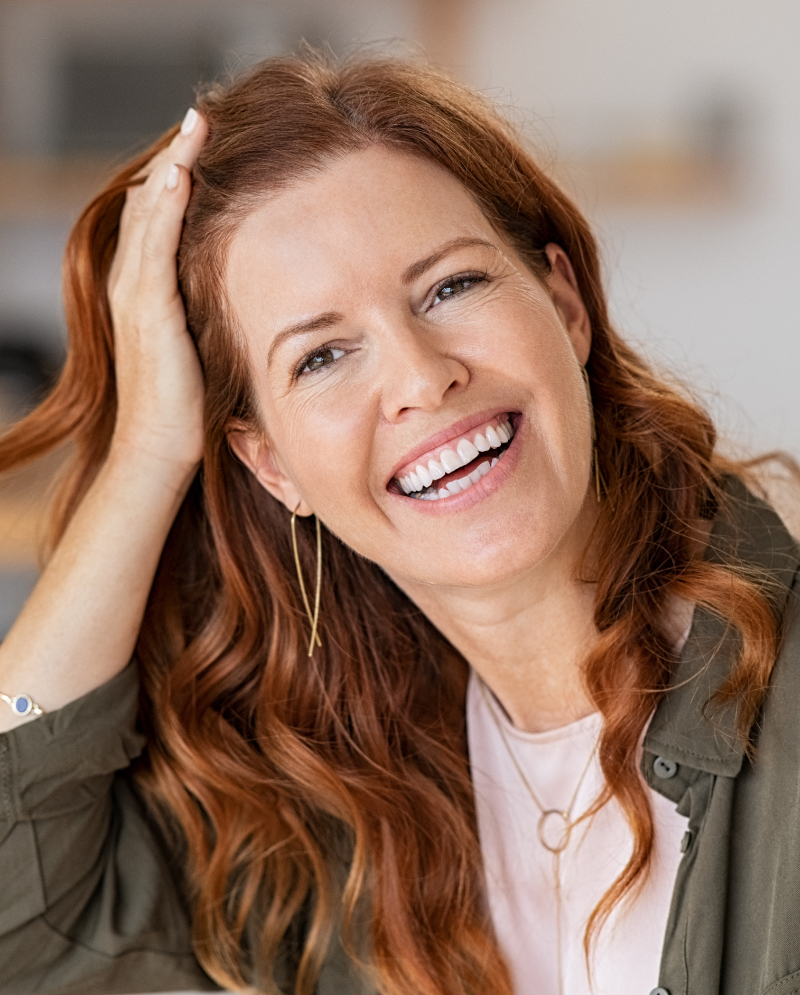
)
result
[(301, 371), (468, 278), (471, 278)]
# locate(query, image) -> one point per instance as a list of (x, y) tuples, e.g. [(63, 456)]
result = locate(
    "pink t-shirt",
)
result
[(520, 871)]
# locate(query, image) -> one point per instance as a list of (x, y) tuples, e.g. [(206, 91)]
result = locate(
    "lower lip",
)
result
[(487, 485)]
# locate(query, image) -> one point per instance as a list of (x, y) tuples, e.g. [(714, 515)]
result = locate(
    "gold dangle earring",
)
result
[(312, 618), (599, 483)]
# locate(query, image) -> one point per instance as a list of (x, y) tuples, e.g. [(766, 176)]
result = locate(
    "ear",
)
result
[(563, 286), (254, 450)]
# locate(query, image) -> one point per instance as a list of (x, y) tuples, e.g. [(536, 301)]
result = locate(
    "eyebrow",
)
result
[(416, 270), (325, 320), (330, 318)]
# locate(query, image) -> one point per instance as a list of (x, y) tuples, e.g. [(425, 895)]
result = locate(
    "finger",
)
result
[(182, 150), (158, 276), (140, 201)]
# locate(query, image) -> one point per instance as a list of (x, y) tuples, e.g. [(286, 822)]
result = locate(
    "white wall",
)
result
[(712, 292)]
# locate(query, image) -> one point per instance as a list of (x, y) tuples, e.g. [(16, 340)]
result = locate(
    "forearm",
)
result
[(81, 622), (80, 625)]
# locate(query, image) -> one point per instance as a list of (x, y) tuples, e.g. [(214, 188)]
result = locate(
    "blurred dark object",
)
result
[(16, 584), (27, 372), (721, 122), (115, 101)]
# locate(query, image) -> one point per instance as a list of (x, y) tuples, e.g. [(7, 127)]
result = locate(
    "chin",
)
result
[(491, 561)]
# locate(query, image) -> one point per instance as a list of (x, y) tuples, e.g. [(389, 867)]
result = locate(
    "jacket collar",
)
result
[(747, 532)]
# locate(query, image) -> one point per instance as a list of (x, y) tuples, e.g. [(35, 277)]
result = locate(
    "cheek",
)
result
[(531, 351), (565, 433), (325, 438), (555, 465)]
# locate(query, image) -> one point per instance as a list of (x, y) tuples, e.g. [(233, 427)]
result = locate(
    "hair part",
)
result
[(336, 790)]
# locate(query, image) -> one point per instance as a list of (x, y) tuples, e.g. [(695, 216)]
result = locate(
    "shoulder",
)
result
[(775, 478)]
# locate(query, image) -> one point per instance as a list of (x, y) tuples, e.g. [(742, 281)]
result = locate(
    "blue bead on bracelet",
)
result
[(21, 704)]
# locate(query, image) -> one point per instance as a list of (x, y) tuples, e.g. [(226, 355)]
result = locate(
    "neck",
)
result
[(526, 637)]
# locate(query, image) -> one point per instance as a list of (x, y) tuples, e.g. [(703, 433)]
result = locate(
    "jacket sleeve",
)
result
[(89, 895)]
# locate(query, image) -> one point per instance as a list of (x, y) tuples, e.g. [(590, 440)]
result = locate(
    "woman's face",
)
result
[(389, 328)]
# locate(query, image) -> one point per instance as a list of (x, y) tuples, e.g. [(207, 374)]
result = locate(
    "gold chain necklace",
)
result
[(545, 814)]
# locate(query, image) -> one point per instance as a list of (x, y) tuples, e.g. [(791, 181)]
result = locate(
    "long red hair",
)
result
[(334, 792)]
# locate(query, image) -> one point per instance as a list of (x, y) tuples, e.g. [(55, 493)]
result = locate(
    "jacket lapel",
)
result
[(748, 534)]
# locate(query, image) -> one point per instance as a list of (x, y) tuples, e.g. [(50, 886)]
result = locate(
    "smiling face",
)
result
[(419, 387)]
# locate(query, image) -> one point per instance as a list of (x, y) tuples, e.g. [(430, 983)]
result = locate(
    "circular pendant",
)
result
[(554, 830)]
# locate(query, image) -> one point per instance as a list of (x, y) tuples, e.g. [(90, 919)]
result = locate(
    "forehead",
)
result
[(369, 213)]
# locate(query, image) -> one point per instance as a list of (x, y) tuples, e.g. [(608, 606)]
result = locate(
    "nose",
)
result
[(417, 372)]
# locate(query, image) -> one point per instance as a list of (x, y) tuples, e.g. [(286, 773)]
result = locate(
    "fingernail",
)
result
[(189, 121), (173, 175)]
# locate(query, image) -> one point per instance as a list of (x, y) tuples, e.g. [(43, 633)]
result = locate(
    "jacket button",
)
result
[(665, 769), (659, 991)]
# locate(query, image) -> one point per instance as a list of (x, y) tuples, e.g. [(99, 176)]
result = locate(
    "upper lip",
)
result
[(450, 434)]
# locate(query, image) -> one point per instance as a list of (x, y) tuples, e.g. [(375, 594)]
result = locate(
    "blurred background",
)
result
[(676, 126)]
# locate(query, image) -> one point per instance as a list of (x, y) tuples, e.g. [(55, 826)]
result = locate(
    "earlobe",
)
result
[(563, 286), (254, 452)]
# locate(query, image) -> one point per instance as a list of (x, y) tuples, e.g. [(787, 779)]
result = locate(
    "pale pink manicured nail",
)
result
[(173, 175), (189, 121)]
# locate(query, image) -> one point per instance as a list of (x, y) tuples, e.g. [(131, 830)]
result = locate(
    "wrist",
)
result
[(144, 466)]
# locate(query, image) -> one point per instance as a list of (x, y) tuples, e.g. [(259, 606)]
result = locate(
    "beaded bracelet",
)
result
[(22, 704)]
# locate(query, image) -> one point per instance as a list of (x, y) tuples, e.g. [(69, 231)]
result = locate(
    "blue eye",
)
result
[(455, 286), (320, 358)]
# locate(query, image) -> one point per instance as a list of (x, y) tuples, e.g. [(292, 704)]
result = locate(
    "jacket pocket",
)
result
[(790, 985)]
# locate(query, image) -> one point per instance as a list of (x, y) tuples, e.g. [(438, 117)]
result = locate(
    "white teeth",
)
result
[(424, 476), (449, 461), (493, 438), (462, 484), (421, 477), (466, 451)]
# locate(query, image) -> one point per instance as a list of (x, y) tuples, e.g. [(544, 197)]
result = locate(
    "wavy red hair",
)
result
[(335, 792)]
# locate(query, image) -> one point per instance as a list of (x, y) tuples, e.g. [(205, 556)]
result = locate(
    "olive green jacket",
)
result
[(91, 898)]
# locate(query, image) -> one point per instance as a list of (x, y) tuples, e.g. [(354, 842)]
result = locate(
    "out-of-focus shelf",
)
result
[(24, 502), (20, 534), (653, 179), (48, 188), (33, 189)]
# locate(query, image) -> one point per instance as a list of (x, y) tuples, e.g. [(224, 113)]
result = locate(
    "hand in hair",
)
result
[(158, 377), (80, 625)]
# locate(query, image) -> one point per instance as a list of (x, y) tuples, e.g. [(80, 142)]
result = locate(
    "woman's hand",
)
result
[(159, 380), (81, 623)]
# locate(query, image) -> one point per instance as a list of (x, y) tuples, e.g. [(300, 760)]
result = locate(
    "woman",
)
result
[(408, 560)]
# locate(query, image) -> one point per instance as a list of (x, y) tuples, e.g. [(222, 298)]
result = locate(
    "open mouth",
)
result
[(457, 466)]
